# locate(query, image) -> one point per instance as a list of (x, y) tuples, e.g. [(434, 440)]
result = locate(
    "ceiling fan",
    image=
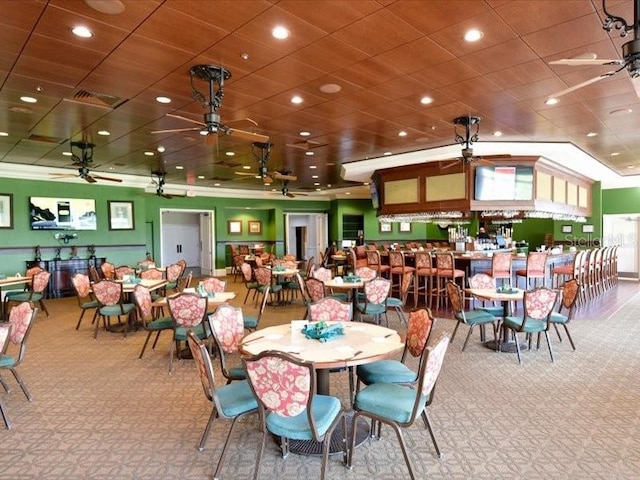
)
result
[(630, 53), (158, 179), (466, 131), (261, 152), (211, 127), (306, 145), (82, 157), (285, 190)]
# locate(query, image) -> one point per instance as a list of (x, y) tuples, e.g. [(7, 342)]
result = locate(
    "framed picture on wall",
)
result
[(234, 227), (587, 228), (385, 227), (405, 226), (255, 227), (6, 210), (567, 229), (121, 216)]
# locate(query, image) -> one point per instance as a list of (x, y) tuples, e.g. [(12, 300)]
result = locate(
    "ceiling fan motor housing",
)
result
[(631, 53)]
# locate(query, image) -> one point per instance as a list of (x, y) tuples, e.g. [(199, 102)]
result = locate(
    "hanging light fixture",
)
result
[(466, 130)]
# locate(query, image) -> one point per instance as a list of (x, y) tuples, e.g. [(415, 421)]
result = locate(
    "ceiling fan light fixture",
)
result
[(551, 101), (296, 100), (330, 88), (104, 133), (162, 99), (27, 99), (305, 134), (402, 133), (280, 32), (82, 31), (473, 35), (426, 100)]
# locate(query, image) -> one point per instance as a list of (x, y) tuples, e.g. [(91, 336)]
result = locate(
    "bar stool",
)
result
[(375, 262), (536, 268), (563, 273), (445, 270), (398, 269), (501, 267), (425, 272)]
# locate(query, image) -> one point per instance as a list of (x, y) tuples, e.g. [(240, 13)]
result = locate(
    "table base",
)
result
[(505, 347), (311, 447)]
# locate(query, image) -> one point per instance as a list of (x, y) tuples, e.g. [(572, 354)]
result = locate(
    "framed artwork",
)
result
[(587, 228), (385, 227), (255, 227), (405, 226), (121, 216), (6, 210), (567, 229), (234, 227)]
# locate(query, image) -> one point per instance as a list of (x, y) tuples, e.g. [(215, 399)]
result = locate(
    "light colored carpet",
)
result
[(100, 413)]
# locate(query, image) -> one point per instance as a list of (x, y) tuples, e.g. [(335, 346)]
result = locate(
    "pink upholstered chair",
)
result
[(366, 273), (425, 275), (21, 320), (150, 321), (322, 274), (108, 270), (214, 285), (111, 304), (315, 289), (84, 294), (152, 274), (535, 269), (330, 309), (123, 270), (187, 311), (289, 406), (376, 292), (5, 330), (501, 267), (227, 327), (35, 293)]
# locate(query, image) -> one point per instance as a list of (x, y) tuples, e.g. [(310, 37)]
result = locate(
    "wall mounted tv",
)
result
[(375, 200), (62, 213), (503, 183)]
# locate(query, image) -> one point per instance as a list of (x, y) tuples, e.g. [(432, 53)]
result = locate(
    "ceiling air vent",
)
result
[(96, 99), (43, 138)]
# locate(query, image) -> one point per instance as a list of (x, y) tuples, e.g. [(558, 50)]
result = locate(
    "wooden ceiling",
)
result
[(384, 55)]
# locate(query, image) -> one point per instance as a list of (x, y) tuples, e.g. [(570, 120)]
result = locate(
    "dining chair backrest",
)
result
[(419, 327), (5, 330), (456, 298), (482, 281), (30, 273), (501, 265), (187, 309), (147, 262), (123, 270), (396, 259), (315, 289), (108, 292), (407, 277), (330, 309), (536, 263), (227, 326), (142, 299), (373, 257), (366, 273), (108, 270), (247, 272), (205, 368), (152, 274), (423, 260), (445, 261), (570, 291), (377, 290), (431, 367), (81, 285), (173, 272), (185, 282), (40, 282), (21, 319), (539, 304), (262, 276), (214, 285), (322, 274), (93, 273)]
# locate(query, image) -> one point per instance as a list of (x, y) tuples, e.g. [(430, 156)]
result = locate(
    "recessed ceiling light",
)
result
[(314, 176), (296, 99), (330, 164), (111, 7), (347, 193), (216, 184), (305, 134), (201, 177), (163, 100), (592, 134), (280, 33), (67, 154), (316, 183), (328, 185), (246, 167), (621, 111), (258, 176), (203, 132), (312, 167), (631, 166), (229, 154), (104, 133), (244, 56), (426, 100), (615, 154), (366, 184), (26, 99), (5, 134), (551, 101), (179, 167), (386, 154), (82, 32), (473, 35), (17, 109), (330, 88), (161, 149), (309, 153), (402, 133), (497, 133), (149, 154), (318, 189), (274, 189)]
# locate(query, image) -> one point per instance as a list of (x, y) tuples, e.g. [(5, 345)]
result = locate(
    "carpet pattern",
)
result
[(101, 413)]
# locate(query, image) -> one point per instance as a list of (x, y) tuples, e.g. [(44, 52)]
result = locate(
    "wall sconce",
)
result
[(65, 237)]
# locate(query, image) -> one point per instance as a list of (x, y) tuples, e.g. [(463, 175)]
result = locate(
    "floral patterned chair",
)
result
[(152, 273), (570, 294), (108, 270), (124, 270), (535, 269), (471, 318), (399, 405), (111, 304), (227, 328), (230, 402), (329, 309), (325, 275), (398, 303), (485, 281), (289, 406), (376, 292), (30, 273), (86, 300), (266, 286), (21, 319), (188, 311), (214, 285), (36, 293), (174, 272), (146, 315), (249, 282), (538, 307), (375, 262), (445, 270), (5, 330)]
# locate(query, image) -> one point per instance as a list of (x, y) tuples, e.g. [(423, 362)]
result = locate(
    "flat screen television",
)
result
[(374, 195), (48, 213), (503, 183)]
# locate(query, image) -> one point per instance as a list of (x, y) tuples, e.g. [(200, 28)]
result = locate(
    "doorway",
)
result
[(188, 235), (622, 230), (306, 234)]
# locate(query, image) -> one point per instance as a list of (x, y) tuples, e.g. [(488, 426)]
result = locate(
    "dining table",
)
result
[(9, 282), (505, 297), (361, 343)]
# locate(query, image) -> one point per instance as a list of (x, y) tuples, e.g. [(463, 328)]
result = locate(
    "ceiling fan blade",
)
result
[(267, 180), (580, 85), (211, 139), (100, 177), (585, 61), (173, 130), (283, 176), (246, 174), (252, 137), (90, 179), (63, 175), (172, 115), (246, 119), (290, 195)]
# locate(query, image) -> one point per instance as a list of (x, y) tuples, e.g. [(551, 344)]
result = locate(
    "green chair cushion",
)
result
[(115, 310), (385, 371), (325, 410), (236, 398), (164, 323), (339, 296), (7, 361), (372, 308), (388, 400), (558, 318), (237, 373), (90, 304), (532, 326), (475, 317), (24, 297), (198, 330), (394, 302), (495, 311), (250, 322)]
